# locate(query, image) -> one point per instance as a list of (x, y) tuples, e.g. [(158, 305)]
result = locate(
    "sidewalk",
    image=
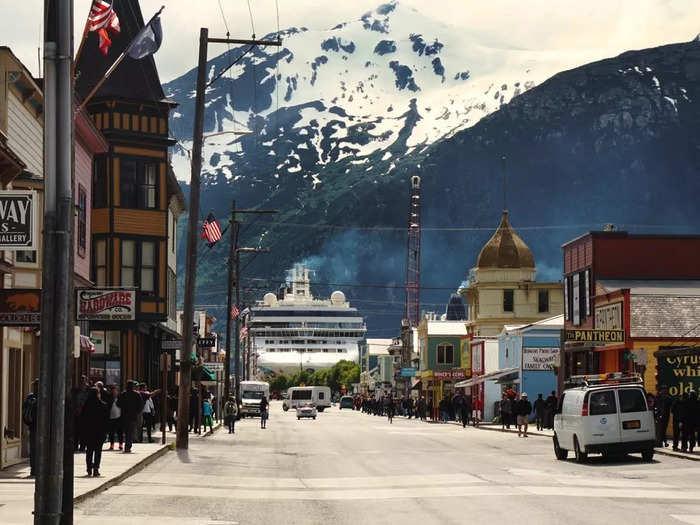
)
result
[(17, 490)]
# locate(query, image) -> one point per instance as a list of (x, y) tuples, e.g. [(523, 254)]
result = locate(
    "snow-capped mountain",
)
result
[(393, 79)]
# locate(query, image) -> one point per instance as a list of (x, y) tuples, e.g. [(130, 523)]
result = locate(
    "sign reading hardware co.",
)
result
[(99, 304), (595, 337), (18, 220)]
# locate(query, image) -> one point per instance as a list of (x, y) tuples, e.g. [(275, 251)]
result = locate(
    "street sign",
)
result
[(173, 344), (409, 371), (595, 337), (206, 342), (18, 220)]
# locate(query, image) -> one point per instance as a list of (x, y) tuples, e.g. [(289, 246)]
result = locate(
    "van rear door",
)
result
[(602, 425), (636, 421)]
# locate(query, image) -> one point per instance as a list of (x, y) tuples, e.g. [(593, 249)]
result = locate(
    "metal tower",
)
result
[(413, 254)]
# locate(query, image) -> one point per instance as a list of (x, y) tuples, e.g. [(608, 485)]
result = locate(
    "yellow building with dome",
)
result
[(501, 289)]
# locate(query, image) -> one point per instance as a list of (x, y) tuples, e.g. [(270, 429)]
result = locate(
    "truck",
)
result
[(252, 393), (298, 395)]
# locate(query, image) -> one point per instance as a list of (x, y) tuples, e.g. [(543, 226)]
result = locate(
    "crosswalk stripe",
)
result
[(690, 519), (594, 492)]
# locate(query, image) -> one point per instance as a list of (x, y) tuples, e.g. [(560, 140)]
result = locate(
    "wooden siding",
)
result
[(140, 222), (162, 270), (163, 130), (25, 134), (100, 221), (117, 120), (148, 307), (140, 152), (162, 188), (134, 122)]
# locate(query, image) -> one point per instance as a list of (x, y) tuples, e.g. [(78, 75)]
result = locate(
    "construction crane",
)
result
[(413, 254)]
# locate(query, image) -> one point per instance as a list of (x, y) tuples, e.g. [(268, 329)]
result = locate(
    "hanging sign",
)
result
[(19, 226), (20, 307), (540, 358), (206, 342), (100, 304), (595, 337)]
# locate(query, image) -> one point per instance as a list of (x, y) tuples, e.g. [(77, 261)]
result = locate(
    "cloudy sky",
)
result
[(606, 26)]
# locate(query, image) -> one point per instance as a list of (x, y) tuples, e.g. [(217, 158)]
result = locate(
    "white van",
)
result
[(319, 395), (251, 394), (606, 414)]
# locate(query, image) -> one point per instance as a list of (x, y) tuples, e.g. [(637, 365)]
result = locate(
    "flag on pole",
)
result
[(244, 332), (234, 311), (211, 230), (148, 40), (245, 312), (104, 20)]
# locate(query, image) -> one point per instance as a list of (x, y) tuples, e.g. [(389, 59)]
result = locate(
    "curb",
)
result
[(124, 475), (214, 429), (672, 454)]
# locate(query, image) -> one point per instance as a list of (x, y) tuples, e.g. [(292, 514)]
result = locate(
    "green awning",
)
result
[(203, 374)]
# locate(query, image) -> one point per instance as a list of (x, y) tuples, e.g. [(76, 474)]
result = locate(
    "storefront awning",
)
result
[(203, 374), (508, 378), (486, 377), (87, 344)]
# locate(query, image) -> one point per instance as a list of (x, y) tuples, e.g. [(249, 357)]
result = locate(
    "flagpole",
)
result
[(114, 66), (86, 30)]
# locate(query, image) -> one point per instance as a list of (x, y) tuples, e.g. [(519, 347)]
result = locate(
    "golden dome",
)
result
[(505, 249)]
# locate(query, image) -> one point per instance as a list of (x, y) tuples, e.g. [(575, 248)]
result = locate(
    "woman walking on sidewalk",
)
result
[(263, 412), (230, 414), (115, 421), (94, 419)]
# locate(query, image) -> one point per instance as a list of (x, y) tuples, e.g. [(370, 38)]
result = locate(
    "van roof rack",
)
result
[(614, 378)]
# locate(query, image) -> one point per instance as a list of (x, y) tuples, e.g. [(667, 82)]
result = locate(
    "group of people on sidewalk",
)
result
[(516, 410), (683, 412)]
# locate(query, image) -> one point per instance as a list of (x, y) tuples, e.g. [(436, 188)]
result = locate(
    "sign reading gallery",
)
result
[(18, 220)]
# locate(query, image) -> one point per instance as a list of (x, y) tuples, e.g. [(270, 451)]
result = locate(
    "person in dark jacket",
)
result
[(94, 420), (131, 405), (29, 418), (550, 407), (465, 409), (690, 413), (506, 411), (523, 409), (539, 412), (676, 406), (79, 395), (662, 413)]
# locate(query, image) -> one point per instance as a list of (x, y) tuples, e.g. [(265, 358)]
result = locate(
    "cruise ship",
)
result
[(291, 331)]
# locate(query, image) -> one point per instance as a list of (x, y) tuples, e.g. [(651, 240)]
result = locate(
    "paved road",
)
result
[(351, 468)]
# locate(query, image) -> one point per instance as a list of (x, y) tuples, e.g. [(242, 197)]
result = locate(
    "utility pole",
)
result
[(229, 320), (57, 272), (183, 402), (182, 441)]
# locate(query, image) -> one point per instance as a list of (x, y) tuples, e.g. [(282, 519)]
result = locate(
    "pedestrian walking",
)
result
[(539, 408), (207, 413), (114, 424), (94, 418), (171, 409), (264, 405), (676, 406), (442, 407), (230, 414), (464, 409), (131, 404), (690, 416), (29, 418), (550, 407), (507, 411), (523, 409), (79, 396), (477, 407), (662, 414), (194, 411)]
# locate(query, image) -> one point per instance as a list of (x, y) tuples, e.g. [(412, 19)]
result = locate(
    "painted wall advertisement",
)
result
[(19, 216), (466, 354), (540, 358), (679, 370), (100, 304)]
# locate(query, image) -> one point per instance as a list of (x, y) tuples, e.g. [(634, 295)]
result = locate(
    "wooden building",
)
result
[(133, 216)]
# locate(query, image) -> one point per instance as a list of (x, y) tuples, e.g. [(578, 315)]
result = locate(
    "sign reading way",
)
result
[(99, 304), (18, 220)]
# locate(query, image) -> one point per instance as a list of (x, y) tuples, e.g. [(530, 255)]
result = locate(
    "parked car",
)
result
[(606, 414), (306, 410), (346, 402)]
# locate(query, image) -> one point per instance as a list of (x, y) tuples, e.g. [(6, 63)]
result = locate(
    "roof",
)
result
[(457, 328), (132, 79), (665, 316), (505, 249), (653, 287)]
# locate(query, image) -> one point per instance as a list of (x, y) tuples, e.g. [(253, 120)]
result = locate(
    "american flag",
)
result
[(244, 332), (234, 311), (104, 20), (210, 230)]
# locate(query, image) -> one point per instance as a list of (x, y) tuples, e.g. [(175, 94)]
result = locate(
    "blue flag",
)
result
[(148, 41)]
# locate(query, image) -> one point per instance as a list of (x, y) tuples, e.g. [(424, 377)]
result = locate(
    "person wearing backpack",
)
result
[(29, 418)]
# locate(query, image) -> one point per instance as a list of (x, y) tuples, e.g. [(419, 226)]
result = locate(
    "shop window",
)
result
[(99, 182), (127, 183), (100, 258), (508, 300), (147, 187), (82, 220), (128, 249), (543, 302), (26, 256), (445, 354)]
